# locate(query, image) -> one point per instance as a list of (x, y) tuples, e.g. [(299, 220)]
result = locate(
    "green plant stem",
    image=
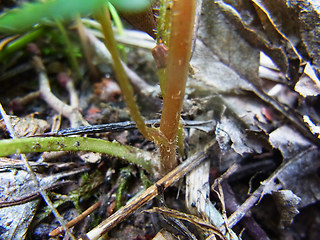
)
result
[(116, 18), (125, 86), (164, 23), (43, 144), (69, 49), (34, 177), (163, 34), (177, 70)]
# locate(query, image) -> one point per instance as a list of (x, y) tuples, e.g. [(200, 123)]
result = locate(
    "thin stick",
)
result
[(266, 187), (70, 112), (118, 127), (148, 194), (30, 196), (34, 177), (74, 221)]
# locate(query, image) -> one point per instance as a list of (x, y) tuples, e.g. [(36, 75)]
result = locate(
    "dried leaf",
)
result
[(27, 126), (278, 39), (301, 177), (164, 235), (287, 204), (288, 141), (226, 47), (309, 84), (233, 67), (308, 13), (17, 187)]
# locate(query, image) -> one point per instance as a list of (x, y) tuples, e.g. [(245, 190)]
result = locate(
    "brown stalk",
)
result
[(178, 61)]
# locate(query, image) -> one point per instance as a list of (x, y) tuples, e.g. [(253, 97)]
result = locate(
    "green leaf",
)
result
[(131, 6), (24, 18)]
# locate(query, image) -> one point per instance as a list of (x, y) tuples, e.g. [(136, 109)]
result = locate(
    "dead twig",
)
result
[(290, 114), (231, 170), (189, 218), (71, 112), (220, 195), (250, 225), (74, 221), (34, 176), (266, 187), (32, 195), (148, 194)]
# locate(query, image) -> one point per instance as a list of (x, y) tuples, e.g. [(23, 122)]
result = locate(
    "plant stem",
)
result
[(125, 86), (177, 70), (38, 144), (69, 49), (164, 23)]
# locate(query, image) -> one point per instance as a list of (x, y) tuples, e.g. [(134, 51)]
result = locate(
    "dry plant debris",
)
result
[(250, 160)]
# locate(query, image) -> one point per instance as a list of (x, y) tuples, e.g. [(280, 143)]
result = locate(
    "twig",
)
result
[(289, 114), (266, 187), (34, 177), (20, 102), (223, 206), (74, 100), (231, 205), (74, 221), (118, 127), (31, 195), (248, 222), (148, 194), (231, 170), (69, 112)]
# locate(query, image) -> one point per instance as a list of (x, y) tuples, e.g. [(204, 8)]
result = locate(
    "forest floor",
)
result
[(256, 124)]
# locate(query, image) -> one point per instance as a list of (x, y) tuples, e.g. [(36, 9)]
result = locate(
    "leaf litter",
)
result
[(254, 119)]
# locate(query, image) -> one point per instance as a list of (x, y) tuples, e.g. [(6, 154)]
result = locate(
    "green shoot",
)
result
[(116, 18), (69, 49)]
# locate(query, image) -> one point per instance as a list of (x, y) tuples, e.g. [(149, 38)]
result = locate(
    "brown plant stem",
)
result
[(178, 61)]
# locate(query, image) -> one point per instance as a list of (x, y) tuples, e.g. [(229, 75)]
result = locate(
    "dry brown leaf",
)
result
[(27, 126)]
